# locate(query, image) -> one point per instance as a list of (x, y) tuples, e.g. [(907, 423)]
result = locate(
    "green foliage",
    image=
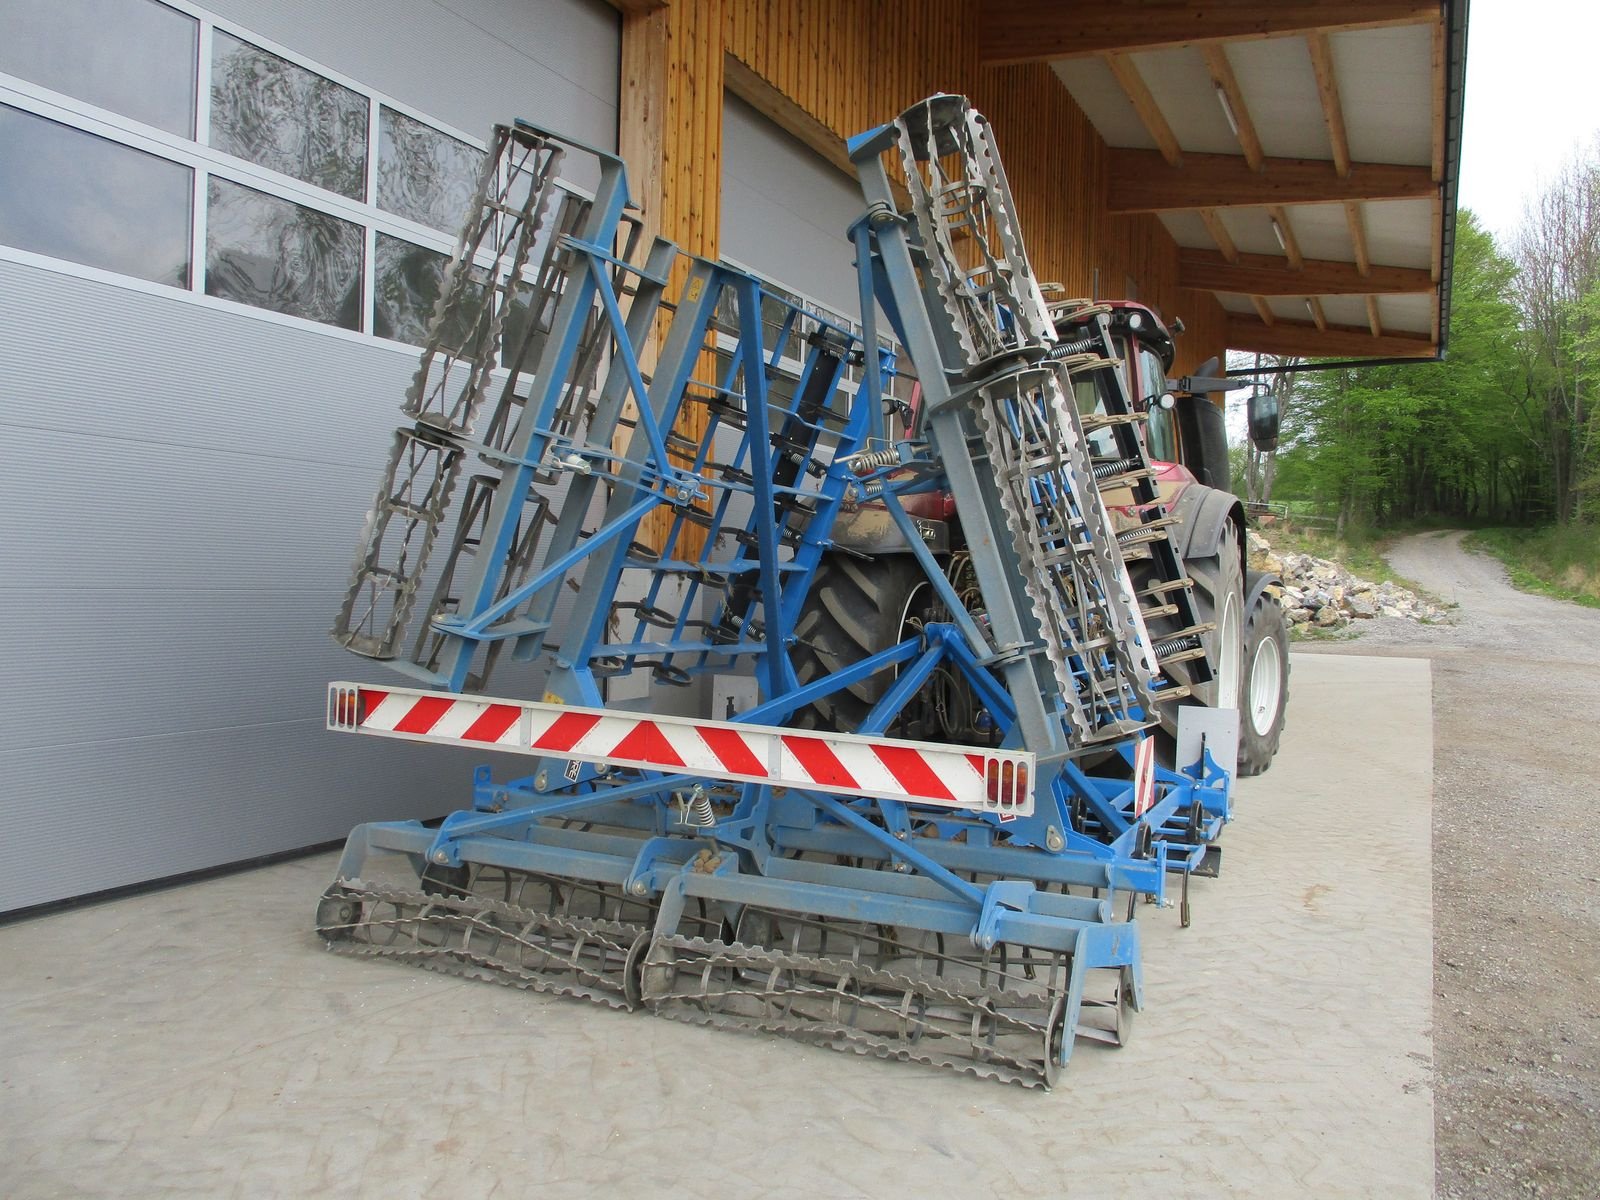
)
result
[(1385, 445), (1557, 560)]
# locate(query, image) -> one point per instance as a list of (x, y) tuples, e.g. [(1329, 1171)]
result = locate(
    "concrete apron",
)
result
[(198, 1041)]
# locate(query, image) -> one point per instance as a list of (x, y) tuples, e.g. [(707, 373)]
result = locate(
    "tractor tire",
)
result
[(1266, 685), (856, 607), (1218, 600)]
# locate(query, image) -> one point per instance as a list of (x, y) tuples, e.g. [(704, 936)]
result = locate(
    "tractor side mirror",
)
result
[(1263, 413)]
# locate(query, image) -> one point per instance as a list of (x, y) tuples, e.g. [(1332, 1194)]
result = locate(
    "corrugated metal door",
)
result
[(182, 486)]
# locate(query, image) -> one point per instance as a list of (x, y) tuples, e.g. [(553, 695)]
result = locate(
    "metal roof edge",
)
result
[(1455, 33)]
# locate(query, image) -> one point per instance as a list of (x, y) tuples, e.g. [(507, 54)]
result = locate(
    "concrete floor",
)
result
[(196, 1041)]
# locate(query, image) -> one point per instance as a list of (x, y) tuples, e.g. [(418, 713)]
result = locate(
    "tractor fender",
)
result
[(1201, 514), (1256, 584), (870, 530)]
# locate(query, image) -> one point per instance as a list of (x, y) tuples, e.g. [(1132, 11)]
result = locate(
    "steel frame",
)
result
[(745, 534)]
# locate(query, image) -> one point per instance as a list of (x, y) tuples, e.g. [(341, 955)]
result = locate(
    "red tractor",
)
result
[(871, 593)]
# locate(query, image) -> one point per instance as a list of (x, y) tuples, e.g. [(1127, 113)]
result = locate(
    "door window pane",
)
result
[(270, 112), (407, 279), (134, 57), (73, 195), (281, 256), (424, 175)]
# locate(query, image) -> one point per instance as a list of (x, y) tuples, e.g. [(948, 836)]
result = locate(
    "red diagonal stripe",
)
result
[(367, 701), (912, 772), (732, 751), (976, 762), (424, 715), (564, 734), (647, 744), (819, 762), (493, 721)]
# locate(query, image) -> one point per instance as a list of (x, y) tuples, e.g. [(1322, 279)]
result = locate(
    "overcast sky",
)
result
[(1533, 98)]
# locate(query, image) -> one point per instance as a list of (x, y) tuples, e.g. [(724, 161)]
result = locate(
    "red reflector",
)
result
[(1005, 781), (347, 708)]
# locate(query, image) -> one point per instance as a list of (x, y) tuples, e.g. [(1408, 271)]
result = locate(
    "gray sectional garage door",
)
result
[(183, 475), (786, 210)]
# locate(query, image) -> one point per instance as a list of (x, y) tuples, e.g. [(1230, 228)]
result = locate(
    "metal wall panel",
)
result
[(786, 210), (181, 491)]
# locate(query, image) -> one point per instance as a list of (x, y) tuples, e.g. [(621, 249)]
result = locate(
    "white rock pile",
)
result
[(1321, 593)]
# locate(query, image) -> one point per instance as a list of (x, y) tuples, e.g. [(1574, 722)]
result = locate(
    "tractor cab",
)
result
[(1184, 431)]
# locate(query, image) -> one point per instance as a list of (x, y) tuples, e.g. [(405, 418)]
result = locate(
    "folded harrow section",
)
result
[(674, 464)]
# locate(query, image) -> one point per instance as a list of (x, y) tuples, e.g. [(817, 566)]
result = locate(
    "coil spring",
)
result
[(1170, 646), (1067, 349), (873, 460), (695, 810), (1108, 469)]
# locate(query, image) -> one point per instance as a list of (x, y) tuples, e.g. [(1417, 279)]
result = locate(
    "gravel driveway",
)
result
[(1516, 874)]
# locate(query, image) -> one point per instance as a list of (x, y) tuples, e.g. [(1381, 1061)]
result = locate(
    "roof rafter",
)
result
[(1212, 220), (1227, 85), (1268, 275), (1354, 218), (1023, 31), (1144, 104), (1286, 238), (1373, 323), (1143, 181), (1328, 93), (1264, 311)]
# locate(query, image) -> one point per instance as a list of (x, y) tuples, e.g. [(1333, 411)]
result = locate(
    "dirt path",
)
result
[(1516, 874)]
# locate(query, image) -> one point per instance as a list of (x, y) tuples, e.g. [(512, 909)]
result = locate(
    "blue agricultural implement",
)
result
[(641, 497)]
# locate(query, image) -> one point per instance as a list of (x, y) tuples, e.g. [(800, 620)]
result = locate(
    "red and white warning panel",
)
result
[(981, 780)]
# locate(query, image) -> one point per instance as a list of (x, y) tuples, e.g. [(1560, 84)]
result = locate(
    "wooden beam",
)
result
[(1144, 104), (1317, 315), (1142, 181), (1291, 244), (1358, 236), (1022, 31), (1223, 79), (1336, 341), (1269, 275), (1373, 323), (1264, 311), (641, 126), (1328, 93), (1219, 234)]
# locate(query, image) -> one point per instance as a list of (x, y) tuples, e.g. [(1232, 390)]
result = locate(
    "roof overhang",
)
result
[(1302, 153)]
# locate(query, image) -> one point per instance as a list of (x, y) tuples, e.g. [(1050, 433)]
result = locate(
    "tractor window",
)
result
[(1161, 432), (1086, 394)]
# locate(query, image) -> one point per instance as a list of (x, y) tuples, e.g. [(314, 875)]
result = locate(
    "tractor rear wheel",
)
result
[(1219, 600), (857, 607), (1266, 685)]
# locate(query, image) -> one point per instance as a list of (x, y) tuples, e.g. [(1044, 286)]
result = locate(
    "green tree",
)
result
[(1373, 445)]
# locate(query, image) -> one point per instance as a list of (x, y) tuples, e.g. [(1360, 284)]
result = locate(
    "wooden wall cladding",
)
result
[(836, 67)]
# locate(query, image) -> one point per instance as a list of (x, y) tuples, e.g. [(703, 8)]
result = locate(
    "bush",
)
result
[(1559, 560)]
